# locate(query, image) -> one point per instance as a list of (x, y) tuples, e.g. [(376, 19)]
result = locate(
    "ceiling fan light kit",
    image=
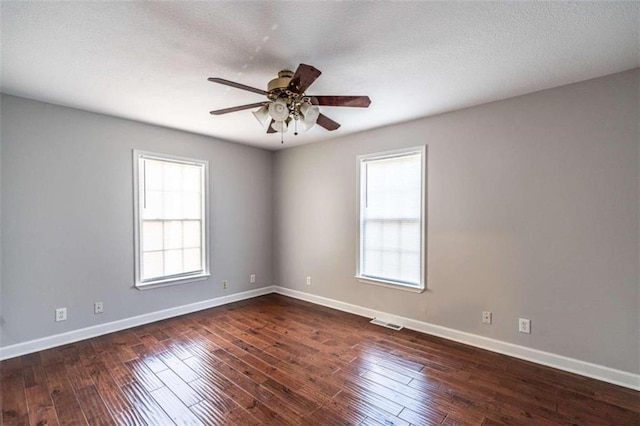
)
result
[(288, 102)]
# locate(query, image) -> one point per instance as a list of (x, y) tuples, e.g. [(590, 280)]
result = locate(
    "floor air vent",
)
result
[(376, 321)]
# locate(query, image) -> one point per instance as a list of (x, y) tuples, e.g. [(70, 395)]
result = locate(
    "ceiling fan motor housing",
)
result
[(280, 83)]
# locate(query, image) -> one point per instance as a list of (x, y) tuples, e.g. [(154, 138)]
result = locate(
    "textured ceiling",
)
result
[(149, 61)]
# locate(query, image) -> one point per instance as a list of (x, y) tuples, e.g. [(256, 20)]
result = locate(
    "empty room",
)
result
[(320, 213)]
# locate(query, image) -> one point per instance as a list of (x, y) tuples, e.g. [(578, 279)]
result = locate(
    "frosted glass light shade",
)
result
[(279, 126), (310, 114), (278, 110), (262, 114)]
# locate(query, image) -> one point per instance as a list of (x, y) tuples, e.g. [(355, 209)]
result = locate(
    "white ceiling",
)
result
[(149, 61)]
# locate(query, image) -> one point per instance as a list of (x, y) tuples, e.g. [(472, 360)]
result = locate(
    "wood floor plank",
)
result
[(584, 409), (183, 391), (214, 395), (178, 366), (63, 396), (367, 391), (295, 399), (148, 410), (370, 422), (177, 411), (93, 407), (39, 402), (423, 418), (370, 408), (274, 360), (210, 414), (14, 402), (117, 403), (329, 414), (143, 375)]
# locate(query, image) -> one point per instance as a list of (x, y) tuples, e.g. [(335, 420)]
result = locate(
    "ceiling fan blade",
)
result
[(327, 123), (270, 129), (237, 85), (303, 78), (343, 101), (236, 108)]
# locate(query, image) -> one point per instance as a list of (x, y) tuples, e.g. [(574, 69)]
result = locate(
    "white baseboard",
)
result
[(12, 351), (599, 372), (572, 365)]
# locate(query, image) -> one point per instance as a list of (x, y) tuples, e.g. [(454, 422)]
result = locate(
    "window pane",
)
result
[(192, 260), (191, 233), (394, 187), (391, 235), (191, 205), (191, 179), (152, 238), (153, 205), (172, 177), (410, 236), (173, 262), (372, 262), (172, 235), (153, 265), (410, 267), (391, 264), (152, 174), (172, 205), (373, 234)]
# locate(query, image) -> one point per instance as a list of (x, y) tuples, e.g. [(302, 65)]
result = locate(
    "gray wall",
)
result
[(533, 212), (67, 220)]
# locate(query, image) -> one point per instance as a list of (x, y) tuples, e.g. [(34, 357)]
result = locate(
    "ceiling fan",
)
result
[(287, 101)]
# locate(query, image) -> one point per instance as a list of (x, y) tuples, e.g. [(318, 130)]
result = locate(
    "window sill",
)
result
[(389, 284), (170, 282)]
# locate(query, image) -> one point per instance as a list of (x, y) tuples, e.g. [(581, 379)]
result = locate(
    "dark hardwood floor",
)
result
[(279, 361)]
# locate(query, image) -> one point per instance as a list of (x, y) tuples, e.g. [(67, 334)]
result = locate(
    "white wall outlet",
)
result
[(308, 280), (224, 283), (252, 278), (486, 317), (524, 325), (61, 314), (98, 308)]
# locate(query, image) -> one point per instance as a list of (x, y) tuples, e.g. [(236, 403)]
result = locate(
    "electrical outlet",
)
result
[(308, 280), (98, 308), (524, 325), (252, 278), (486, 317), (61, 314), (224, 283)]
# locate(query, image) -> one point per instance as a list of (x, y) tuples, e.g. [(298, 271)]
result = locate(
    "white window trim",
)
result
[(422, 150), (174, 280)]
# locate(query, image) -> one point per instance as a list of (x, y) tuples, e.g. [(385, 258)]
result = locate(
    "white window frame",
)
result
[(139, 283), (422, 150)]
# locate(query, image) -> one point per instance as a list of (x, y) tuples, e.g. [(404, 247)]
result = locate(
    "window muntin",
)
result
[(391, 218), (171, 237)]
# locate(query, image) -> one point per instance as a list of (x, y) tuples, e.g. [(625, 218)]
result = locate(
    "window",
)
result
[(170, 204), (391, 218)]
